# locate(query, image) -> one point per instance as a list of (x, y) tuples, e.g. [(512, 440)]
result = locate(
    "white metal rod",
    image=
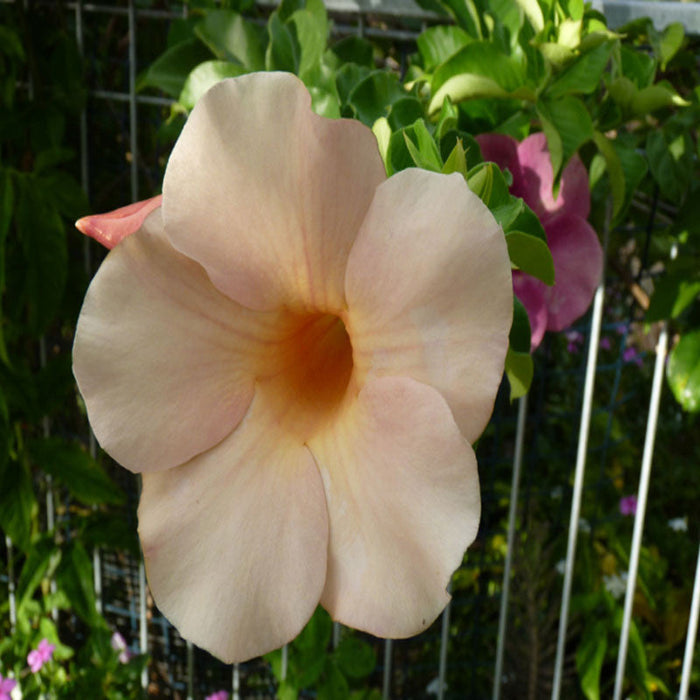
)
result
[(190, 671), (513, 510), (143, 624), (336, 634), (692, 635), (642, 492), (11, 583), (386, 678), (584, 428), (444, 640), (236, 683), (285, 662)]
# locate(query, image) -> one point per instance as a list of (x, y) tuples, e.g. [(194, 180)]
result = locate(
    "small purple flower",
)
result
[(628, 505), (605, 343), (41, 655), (631, 355), (218, 695), (7, 685), (119, 644)]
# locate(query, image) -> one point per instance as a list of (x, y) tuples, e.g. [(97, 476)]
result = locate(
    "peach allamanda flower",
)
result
[(296, 353), (576, 251)]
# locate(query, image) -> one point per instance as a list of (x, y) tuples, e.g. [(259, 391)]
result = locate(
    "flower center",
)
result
[(313, 368)]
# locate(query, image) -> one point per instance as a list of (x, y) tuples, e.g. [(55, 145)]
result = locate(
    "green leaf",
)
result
[(673, 293), (170, 70), (478, 70), (321, 84), (64, 194), (533, 12), (354, 49), (567, 126), (616, 174), (282, 50), (205, 76), (638, 66), (525, 221), (520, 333), (111, 530), (422, 147), (457, 160), (41, 561), (230, 37), (531, 255), (584, 75), (74, 576), (519, 370), (487, 181), (73, 466), (683, 371), (437, 44), (404, 112), (590, 656), (311, 29), (373, 96), (314, 638), (655, 97), (382, 132), (634, 168), (333, 686), (18, 504), (668, 43), (43, 238), (355, 657), (670, 154)]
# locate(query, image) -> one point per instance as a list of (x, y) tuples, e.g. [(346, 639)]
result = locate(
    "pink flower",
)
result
[(7, 685), (628, 505), (118, 643), (577, 254), (218, 695), (297, 353), (41, 655)]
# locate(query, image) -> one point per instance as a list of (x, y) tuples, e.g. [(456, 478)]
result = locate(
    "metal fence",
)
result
[(505, 453)]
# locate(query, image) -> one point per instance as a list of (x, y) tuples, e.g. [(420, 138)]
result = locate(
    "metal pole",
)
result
[(514, 489), (692, 635), (578, 485), (641, 507)]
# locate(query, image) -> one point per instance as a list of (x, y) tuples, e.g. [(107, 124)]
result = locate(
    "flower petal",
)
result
[(502, 150), (109, 229), (403, 504), (164, 361), (429, 292), (578, 265), (235, 541), (271, 219), (531, 293), (535, 187)]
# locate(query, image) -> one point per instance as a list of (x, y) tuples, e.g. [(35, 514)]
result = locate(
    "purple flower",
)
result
[(7, 685), (631, 355), (576, 251), (628, 505), (119, 644), (41, 655), (605, 343), (575, 341), (218, 695)]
